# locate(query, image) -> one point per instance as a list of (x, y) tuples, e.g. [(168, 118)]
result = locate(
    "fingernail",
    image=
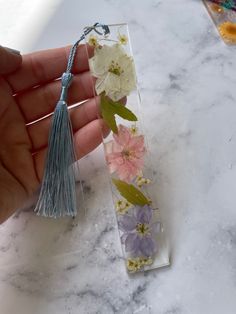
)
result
[(17, 52)]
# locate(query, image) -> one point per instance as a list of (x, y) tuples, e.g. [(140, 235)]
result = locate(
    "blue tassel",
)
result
[(58, 190), (57, 196)]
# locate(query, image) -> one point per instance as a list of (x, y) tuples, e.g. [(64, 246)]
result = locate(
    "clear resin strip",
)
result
[(128, 157), (223, 13)]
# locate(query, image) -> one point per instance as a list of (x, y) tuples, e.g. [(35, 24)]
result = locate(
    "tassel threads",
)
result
[(58, 190)]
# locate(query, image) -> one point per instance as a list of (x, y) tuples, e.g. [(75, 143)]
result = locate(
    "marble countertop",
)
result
[(187, 77)]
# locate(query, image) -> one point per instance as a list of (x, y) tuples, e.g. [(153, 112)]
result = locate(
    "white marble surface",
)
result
[(187, 78)]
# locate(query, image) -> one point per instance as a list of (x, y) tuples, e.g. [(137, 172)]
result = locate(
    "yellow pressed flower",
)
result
[(147, 261), (122, 206), (140, 181), (93, 40), (228, 31), (133, 130), (122, 39), (138, 263), (133, 265)]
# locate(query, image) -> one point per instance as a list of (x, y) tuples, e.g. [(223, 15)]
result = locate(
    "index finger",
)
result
[(44, 66), (10, 60)]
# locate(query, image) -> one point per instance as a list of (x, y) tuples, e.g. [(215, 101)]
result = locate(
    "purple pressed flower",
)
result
[(139, 232)]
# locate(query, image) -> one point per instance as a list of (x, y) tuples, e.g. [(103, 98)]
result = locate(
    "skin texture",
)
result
[(29, 91)]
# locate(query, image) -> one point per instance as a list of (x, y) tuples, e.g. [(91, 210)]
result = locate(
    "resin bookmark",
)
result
[(128, 157), (223, 13)]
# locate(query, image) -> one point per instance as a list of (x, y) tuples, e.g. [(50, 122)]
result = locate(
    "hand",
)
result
[(29, 90)]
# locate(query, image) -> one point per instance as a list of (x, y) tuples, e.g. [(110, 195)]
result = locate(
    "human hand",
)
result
[(29, 90)]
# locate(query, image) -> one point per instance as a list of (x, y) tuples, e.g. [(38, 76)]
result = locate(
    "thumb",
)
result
[(10, 60)]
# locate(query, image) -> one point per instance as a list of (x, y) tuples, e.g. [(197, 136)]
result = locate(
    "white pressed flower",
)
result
[(114, 71)]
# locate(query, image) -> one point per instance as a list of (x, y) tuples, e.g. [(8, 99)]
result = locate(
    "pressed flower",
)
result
[(114, 71), (123, 39), (122, 207), (93, 40), (147, 261), (229, 4), (125, 155), (140, 181), (139, 232), (217, 8), (133, 130), (135, 264), (228, 31)]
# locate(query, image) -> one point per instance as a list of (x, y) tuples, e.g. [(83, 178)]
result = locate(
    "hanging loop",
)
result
[(95, 27), (87, 30)]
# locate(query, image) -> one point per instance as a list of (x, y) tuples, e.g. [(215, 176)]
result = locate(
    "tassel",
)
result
[(58, 190), (57, 196)]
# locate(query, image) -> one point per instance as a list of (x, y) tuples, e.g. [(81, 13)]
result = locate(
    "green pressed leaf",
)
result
[(131, 193), (112, 122), (110, 108), (107, 115), (119, 109)]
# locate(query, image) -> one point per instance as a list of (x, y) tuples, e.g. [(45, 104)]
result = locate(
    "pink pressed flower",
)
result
[(125, 154)]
